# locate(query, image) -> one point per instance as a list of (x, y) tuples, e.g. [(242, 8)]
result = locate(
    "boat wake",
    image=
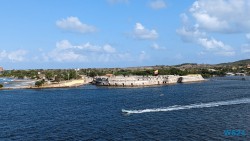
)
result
[(191, 106)]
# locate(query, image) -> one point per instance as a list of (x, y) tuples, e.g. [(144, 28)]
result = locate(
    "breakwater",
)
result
[(131, 81)]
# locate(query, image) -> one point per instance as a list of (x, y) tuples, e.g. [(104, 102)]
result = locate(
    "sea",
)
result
[(214, 110)]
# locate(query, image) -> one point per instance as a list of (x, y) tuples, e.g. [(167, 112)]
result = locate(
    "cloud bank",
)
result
[(206, 17), (67, 52), (223, 16), (13, 56)]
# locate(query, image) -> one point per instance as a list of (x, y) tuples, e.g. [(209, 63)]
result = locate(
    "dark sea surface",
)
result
[(181, 112)]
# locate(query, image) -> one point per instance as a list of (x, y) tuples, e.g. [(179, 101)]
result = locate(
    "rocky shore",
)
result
[(118, 81), (62, 84)]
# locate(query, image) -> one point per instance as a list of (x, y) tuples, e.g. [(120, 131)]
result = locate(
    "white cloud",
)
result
[(68, 56), (17, 55), (140, 32), (157, 47), (67, 52), (73, 24), (210, 44), (190, 34), (14, 56), (224, 16), (208, 17), (211, 23), (108, 48), (64, 44), (215, 46), (157, 4), (184, 18)]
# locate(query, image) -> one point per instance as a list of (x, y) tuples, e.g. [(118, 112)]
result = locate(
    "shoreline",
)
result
[(80, 82), (116, 83), (112, 87), (141, 81), (153, 85), (62, 84)]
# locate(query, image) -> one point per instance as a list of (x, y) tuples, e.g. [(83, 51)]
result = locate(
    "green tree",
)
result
[(1, 86), (49, 75), (92, 74), (58, 78), (72, 74), (39, 83)]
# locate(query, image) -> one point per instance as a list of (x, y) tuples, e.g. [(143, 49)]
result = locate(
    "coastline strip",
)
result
[(62, 84)]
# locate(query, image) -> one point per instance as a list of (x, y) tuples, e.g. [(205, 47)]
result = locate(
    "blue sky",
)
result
[(122, 33)]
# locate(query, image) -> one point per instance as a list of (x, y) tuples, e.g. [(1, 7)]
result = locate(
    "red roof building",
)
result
[(1, 69)]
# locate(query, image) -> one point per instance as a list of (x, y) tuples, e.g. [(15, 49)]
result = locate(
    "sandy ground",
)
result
[(62, 84), (70, 83)]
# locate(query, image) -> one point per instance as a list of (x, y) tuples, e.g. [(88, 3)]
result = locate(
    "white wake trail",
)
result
[(191, 106)]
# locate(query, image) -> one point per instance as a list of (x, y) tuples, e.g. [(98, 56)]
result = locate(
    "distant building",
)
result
[(1, 69), (41, 76), (248, 66), (212, 70), (234, 68)]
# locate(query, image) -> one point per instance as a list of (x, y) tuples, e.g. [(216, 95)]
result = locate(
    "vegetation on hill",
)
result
[(58, 75), (237, 63)]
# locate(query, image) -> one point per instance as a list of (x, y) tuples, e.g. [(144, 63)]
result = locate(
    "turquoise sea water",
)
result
[(195, 111)]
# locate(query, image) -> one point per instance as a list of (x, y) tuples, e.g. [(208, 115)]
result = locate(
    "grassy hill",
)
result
[(237, 63)]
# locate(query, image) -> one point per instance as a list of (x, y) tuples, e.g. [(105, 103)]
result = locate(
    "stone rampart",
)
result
[(131, 81)]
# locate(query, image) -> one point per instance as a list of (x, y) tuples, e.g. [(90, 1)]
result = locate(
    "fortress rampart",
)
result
[(130, 81)]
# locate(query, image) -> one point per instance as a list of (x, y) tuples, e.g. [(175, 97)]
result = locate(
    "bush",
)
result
[(39, 83), (1, 86)]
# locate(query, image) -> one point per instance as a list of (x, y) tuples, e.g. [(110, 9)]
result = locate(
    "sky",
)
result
[(53, 34)]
